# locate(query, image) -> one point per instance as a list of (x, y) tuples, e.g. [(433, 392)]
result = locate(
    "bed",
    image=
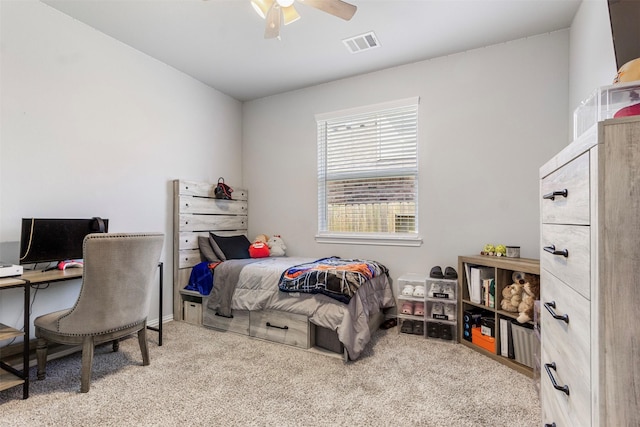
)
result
[(246, 298)]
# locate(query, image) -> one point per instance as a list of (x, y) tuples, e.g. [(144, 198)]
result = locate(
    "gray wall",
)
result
[(93, 127), (488, 119)]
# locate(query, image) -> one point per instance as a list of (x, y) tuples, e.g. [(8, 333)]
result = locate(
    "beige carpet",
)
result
[(204, 377)]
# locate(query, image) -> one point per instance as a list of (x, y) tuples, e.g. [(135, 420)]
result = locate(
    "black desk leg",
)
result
[(159, 328), (25, 350)]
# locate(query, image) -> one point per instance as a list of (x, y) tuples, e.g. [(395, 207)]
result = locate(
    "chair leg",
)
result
[(41, 354), (144, 349), (87, 362)]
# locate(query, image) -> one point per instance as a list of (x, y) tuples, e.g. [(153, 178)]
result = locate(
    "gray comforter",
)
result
[(253, 285)]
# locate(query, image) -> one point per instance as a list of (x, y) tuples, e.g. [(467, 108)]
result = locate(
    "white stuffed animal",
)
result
[(276, 246)]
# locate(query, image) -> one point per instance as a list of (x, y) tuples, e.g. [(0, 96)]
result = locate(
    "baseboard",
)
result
[(165, 319)]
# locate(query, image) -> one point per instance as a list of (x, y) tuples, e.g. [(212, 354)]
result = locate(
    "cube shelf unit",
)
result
[(503, 269), (439, 305)]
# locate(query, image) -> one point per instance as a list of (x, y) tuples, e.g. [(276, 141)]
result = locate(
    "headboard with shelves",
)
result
[(196, 212)]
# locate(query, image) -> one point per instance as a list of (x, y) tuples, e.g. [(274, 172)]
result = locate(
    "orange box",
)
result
[(484, 341)]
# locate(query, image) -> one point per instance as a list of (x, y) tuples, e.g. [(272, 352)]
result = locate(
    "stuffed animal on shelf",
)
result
[(276, 246), (629, 72), (259, 248), (530, 293), (512, 294)]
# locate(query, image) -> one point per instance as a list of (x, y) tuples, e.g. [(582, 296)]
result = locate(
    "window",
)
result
[(368, 174)]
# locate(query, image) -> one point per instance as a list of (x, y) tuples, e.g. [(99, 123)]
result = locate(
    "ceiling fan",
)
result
[(277, 12)]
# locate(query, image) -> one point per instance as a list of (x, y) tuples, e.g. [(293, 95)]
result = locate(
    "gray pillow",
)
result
[(206, 251)]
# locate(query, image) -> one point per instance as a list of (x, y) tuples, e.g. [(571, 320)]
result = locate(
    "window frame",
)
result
[(372, 238)]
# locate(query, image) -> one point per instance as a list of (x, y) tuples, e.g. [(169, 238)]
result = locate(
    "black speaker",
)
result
[(470, 318)]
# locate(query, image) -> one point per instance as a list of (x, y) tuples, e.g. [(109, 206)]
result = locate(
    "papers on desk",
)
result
[(476, 276)]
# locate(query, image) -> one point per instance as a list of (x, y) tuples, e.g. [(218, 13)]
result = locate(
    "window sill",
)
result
[(364, 239)]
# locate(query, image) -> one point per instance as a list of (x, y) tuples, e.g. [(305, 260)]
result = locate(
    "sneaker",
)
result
[(450, 311), (418, 309), (449, 290), (436, 309), (445, 332), (407, 308), (407, 291), (435, 289), (418, 328), (418, 291), (407, 327)]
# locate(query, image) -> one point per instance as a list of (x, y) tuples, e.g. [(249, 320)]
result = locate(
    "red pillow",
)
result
[(259, 250)]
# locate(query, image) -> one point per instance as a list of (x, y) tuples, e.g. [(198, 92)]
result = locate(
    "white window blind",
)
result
[(368, 171)]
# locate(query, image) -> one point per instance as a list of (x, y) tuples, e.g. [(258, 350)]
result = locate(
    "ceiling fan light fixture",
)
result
[(262, 7), (290, 14), (285, 3)]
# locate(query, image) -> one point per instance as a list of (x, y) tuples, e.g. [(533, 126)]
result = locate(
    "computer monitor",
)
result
[(56, 239)]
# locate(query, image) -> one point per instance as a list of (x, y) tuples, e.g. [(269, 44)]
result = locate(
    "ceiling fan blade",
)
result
[(337, 8), (272, 29)]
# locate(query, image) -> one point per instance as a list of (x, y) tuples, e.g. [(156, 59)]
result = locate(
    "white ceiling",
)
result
[(220, 42)]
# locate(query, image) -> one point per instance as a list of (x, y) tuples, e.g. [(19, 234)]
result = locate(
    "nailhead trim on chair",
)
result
[(98, 236)]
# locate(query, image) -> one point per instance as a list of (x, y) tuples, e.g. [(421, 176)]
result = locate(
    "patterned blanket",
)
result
[(334, 277)]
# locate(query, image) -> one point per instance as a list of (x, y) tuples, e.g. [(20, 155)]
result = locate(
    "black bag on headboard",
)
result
[(223, 191)]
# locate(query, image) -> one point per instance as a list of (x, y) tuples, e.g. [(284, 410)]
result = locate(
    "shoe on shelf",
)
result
[(407, 327), (450, 273), (434, 289), (436, 308), (418, 291), (449, 290), (407, 291), (418, 328), (436, 272), (445, 332), (418, 309), (407, 308), (450, 311)]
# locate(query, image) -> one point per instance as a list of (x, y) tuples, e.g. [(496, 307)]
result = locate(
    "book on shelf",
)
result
[(475, 276), (506, 339), (489, 292)]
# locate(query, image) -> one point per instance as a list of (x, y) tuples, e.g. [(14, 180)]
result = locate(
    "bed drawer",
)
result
[(565, 194), (239, 323), (281, 327)]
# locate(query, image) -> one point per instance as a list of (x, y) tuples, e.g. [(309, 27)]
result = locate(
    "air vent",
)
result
[(362, 42)]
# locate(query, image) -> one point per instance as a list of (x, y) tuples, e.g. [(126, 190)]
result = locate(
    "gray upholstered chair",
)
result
[(119, 271)]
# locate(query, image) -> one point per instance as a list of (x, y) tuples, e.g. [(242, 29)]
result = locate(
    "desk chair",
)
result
[(119, 270)]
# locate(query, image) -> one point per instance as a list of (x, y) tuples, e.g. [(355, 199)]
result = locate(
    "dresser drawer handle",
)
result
[(553, 195), (563, 388), (269, 325), (550, 306), (552, 250)]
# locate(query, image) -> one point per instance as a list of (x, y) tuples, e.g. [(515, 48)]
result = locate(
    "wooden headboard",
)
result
[(196, 212)]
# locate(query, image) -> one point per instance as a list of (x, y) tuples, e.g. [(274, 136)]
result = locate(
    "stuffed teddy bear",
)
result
[(276, 246), (259, 247), (530, 293), (511, 297), (512, 294)]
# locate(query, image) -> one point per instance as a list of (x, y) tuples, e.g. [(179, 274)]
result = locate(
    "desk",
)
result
[(35, 277), (9, 376)]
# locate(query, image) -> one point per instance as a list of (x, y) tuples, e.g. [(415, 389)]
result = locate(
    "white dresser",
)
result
[(590, 274)]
